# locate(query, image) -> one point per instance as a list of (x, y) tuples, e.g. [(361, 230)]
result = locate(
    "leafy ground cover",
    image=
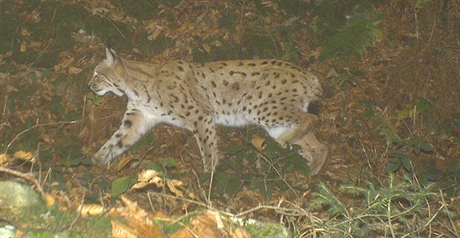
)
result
[(390, 118)]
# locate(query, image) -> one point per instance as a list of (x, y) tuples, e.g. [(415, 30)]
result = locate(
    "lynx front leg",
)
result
[(134, 125)]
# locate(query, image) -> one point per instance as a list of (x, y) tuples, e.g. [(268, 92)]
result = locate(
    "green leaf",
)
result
[(72, 116), (264, 187), (46, 73), (426, 147), (120, 186), (167, 163), (417, 149), (369, 111), (227, 183), (156, 167), (425, 107), (393, 165), (236, 149), (406, 163)]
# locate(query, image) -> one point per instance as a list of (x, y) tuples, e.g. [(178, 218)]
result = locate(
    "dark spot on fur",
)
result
[(120, 144), (255, 73), (264, 62), (128, 123), (236, 86), (180, 68)]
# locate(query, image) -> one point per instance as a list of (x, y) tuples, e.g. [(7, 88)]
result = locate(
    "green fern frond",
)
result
[(325, 197), (353, 39)]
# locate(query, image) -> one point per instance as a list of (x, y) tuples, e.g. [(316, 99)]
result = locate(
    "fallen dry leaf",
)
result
[(147, 177), (120, 230), (259, 143), (91, 209), (22, 155), (172, 185)]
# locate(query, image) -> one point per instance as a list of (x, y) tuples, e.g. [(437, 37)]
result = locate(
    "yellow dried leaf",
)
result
[(259, 143), (22, 155), (25, 32), (120, 230), (91, 209), (182, 233), (206, 225), (147, 175), (207, 48), (172, 185), (140, 185), (49, 200), (4, 158), (23, 46), (123, 162), (240, 233)]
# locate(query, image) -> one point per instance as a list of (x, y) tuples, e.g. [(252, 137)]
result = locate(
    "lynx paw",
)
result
[(104, 155)]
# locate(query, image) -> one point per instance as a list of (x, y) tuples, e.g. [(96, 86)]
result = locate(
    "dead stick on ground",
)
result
[(25, 176)]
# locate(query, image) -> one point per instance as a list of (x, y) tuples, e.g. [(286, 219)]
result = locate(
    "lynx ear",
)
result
[(111, 55)]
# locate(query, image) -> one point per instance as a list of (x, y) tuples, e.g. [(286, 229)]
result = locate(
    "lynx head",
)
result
[(107, 76)]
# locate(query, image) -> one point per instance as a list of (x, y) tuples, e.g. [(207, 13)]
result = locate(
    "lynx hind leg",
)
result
[(204, 130), (313, 151), (134, 125), (296, 128), (293, 126)]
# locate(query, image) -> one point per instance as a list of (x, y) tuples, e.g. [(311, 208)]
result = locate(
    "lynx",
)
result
[(198, 96)]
